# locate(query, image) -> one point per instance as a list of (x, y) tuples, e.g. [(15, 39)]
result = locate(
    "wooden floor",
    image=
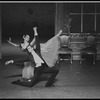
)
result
[(73, 81)]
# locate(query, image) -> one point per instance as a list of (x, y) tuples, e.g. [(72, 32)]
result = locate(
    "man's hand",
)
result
[(8, 62)]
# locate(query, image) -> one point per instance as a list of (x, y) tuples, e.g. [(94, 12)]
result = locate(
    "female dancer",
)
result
[(27, 70)]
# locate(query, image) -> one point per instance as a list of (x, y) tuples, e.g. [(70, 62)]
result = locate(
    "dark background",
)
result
[(20, 18)]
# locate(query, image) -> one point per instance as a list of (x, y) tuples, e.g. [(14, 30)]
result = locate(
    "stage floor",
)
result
[(73, 81)]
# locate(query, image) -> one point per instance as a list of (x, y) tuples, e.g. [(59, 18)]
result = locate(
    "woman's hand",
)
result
[(35, 31), (34, 28), (9, 41)]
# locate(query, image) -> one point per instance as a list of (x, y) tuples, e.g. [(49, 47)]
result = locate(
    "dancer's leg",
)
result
[(53, 71)]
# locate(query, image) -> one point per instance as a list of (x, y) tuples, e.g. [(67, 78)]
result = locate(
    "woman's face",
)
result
[(26, 38)]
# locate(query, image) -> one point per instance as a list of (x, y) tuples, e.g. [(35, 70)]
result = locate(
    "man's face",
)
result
[(29, 48)]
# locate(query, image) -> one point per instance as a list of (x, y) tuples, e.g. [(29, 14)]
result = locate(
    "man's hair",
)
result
[(29, 46)]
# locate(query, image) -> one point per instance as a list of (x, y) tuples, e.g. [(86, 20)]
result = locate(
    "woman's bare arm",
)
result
[(14, 44), (35, 33)]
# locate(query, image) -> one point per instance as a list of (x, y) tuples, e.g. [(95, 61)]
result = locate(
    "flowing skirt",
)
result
[(49, 51), (28, 70)]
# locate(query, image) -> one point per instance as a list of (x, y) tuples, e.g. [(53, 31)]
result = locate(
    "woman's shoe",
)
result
[(29, 80)]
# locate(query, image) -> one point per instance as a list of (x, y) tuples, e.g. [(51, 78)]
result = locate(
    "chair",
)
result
[(65, 52), (90, 48)]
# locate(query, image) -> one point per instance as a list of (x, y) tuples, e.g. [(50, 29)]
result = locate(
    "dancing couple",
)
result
[(40, 58)]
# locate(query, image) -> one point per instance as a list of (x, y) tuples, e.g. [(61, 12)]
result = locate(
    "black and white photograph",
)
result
[(49, 49)]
